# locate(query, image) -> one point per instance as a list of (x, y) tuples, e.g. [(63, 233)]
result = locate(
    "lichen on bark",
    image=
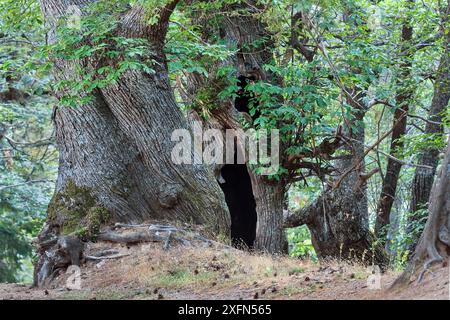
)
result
[(76, 212)]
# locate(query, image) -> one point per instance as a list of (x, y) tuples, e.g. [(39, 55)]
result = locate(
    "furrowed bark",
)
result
[(269, 206), (115, 151)]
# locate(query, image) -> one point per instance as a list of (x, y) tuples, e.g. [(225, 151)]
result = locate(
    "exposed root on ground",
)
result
[(59, 251)]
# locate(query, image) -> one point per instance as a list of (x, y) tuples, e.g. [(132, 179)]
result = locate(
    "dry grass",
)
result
[(195, 268), (198, 273), (149, 272)]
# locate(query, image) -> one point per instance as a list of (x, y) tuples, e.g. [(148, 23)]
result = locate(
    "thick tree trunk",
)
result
[(243, 32), (338, 219), (115, 152), (269, 199), (390, 181)]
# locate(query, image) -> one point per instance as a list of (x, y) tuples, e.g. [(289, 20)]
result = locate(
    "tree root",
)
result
[(58, 251), (432, 252), (435, 240), (426, 267)]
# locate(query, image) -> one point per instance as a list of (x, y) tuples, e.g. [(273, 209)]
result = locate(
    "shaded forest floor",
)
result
[(147, 271)]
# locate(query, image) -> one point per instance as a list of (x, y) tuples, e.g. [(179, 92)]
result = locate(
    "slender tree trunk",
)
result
[(434, 244), (338, 219), (390, 181), (115, 151), (423, 177)]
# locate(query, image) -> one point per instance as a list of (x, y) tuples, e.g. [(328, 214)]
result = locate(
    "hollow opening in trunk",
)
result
[(238, 187), (241, 204), (242, 101)]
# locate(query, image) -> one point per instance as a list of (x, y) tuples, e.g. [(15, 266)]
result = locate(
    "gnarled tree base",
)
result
[(59, 252)]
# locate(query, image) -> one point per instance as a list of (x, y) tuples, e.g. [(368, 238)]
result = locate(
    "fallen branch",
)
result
[(167, 242), (116, 256), (124, 225), (107, 252), (157, 233), (134, 237)]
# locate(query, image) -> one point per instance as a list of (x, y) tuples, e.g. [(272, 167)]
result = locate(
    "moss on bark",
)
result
[(76, 212)]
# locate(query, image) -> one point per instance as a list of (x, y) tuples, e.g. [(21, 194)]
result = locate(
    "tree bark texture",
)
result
[(115, 151), (434, 244)]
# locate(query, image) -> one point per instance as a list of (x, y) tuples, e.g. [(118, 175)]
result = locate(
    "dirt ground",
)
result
[(149, 272)]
